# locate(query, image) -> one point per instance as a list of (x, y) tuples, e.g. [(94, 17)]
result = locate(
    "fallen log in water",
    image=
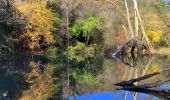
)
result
[(146, 88), (132, 81), (135, 46), (132, 46)]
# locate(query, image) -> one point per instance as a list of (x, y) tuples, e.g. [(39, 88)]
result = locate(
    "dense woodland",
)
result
[(79, 26), (78, 30)]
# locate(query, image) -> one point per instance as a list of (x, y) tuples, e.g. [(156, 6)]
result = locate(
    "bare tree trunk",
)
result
[(67, 22), (127, 38), (128, 20), (136, 18), (142, 28), (67, 12)]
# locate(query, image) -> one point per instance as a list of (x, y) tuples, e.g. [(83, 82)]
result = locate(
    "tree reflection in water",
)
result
[(28, 77)]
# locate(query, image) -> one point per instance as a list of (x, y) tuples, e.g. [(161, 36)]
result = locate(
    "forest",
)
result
[(60, 44), (83, 27)]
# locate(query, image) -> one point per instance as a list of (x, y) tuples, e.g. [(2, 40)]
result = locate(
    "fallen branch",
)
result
[(121, 49), (146, 88), (132, 81)]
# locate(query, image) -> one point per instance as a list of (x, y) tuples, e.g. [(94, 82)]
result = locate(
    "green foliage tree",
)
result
[(80, 51), (85, 27), (84, 76)]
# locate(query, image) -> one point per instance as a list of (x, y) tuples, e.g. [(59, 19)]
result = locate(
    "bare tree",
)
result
[(138, 22), (128, 20)]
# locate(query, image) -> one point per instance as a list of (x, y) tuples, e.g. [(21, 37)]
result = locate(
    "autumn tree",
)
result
[(38, 31), (154, 22)]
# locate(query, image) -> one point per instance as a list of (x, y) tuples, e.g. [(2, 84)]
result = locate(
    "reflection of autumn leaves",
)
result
[(42, 83), (121, 68), (152, 69), (34, 72)]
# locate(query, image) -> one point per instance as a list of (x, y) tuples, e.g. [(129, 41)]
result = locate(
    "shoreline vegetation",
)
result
[(88, 34), (75, 29), (57, 46)]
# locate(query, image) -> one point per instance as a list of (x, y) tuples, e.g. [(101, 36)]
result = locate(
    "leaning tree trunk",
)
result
[(140, 21)]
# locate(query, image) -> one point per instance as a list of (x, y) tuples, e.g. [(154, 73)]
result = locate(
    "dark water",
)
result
[(91, 78)]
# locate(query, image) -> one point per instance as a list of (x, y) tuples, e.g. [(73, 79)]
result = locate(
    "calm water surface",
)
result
[(91, 78)]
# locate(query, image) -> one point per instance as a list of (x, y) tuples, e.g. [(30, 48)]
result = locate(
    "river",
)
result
[(91, 78)]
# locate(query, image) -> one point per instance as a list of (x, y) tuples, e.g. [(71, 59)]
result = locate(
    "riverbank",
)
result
[(160, 51)]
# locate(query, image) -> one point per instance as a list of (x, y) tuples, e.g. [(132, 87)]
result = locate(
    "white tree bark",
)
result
[(136, 18), (142, 28), (128, 20), (127, 38)]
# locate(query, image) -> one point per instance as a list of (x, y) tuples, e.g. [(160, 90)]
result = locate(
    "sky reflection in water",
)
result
[(113, 96)]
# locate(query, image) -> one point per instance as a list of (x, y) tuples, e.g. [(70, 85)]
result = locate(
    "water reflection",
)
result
[(114, 71), (37, 77), (123, 95)]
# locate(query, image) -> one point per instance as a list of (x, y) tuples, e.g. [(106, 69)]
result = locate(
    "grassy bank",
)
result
[(160, 51)]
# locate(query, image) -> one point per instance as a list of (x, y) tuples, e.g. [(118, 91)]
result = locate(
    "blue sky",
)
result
[(166, 0)]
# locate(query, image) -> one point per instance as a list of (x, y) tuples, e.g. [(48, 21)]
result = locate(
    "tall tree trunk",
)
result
[(136, 18), (137, 15), (128, 20)]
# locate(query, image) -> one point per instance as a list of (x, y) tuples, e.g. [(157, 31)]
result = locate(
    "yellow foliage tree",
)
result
[(39, 26), (154, 25), (155, 36)]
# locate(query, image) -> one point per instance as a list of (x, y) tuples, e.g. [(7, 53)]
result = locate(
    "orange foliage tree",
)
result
[(38, 31)]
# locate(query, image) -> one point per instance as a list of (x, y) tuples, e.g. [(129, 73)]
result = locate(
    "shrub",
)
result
[(155, 36)]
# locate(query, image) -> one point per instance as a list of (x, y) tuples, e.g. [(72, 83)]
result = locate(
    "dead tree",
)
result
[(135, 33)]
